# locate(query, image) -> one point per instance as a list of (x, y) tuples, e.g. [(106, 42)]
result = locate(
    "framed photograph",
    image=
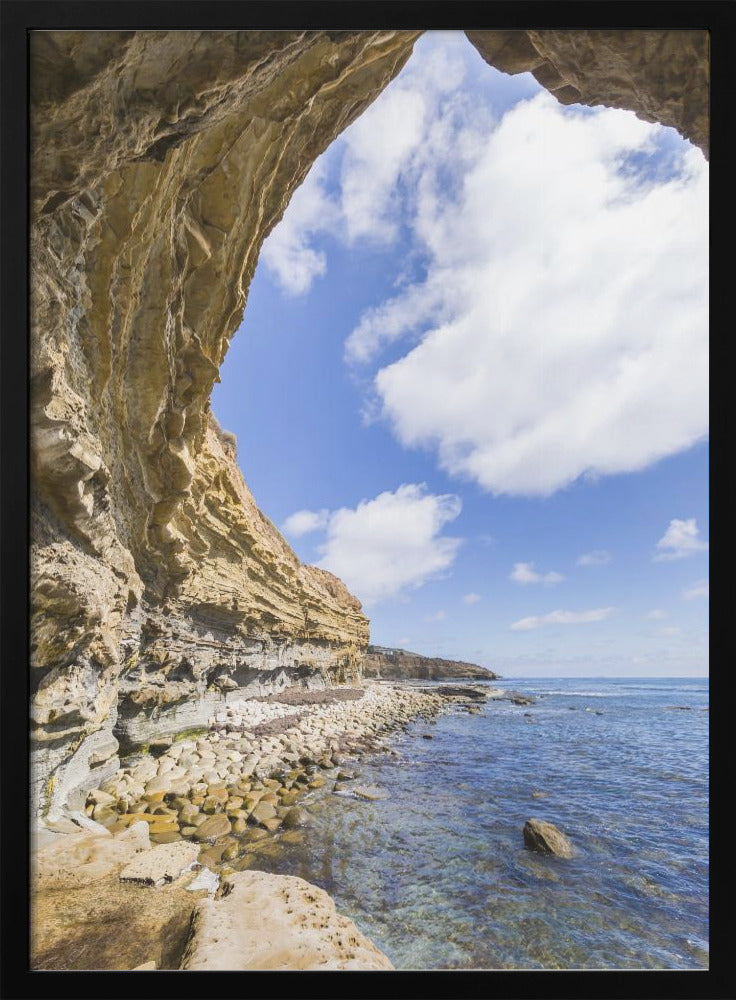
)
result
[(364, 594)]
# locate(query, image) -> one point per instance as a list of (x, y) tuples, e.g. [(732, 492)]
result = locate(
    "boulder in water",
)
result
[(545, 838)]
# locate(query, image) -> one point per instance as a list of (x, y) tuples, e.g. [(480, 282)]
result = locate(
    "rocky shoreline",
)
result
[(212, 808)]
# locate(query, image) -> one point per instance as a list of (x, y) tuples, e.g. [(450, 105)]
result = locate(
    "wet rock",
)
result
[(215, 826), (545, 838), (295, 818), (369, 792), (262, 812), (165, 838)]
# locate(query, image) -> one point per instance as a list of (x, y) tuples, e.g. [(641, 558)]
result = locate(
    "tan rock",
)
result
[(276, 922), (215, 826), (161, 864), (545, 838)]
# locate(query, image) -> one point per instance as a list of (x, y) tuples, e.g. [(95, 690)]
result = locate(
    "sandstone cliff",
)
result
[(160, 161), (400, 664)]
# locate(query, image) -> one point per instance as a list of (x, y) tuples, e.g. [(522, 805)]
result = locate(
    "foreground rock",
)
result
[(399, 664), (276, 922), (545, 838), (164, 863), (84, 917)]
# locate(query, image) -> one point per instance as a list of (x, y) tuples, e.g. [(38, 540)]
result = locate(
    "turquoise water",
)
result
[(437, 874)]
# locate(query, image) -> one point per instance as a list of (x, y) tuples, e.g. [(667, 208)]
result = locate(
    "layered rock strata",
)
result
[(400, 664), (160, 161)]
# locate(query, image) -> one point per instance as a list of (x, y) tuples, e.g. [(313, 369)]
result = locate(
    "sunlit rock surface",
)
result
[(400, 664), (160, 161)]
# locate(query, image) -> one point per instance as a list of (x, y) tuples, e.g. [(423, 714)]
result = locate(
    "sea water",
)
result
[(437, 874)]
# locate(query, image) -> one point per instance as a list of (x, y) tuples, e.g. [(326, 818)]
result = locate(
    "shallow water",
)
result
[(437, 874)]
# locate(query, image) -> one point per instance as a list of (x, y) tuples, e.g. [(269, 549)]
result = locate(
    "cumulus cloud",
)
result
[(525, 573), (553, 322), (562, 618), (287, 251), (681, 539), (353, 192), (656, 614), (574, 292), (471, 598), (598, 557), (701, 588), (304, 521), (392, 543)]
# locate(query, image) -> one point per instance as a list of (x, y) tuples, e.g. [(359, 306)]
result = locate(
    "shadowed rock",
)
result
[(545, 838)]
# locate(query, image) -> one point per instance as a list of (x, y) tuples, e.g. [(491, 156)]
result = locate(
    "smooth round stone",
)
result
[(231, 852), (187, 812), (165, 838), (209, 857), (271, 824), (253, 834), (213, 827), (295, 818), (219, 791), (292, 837), (153, 796), (235, 802), (188, 831), (240, 825), (163, 811), (317, 782), (212, 805)]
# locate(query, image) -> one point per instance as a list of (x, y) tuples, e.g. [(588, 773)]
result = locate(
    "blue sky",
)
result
[(471, 378)]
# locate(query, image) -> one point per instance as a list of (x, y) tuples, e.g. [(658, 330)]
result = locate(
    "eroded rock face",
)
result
[(160, 161), (660, 75)]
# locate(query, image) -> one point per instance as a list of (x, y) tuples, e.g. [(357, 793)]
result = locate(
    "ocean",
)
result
[(437, 874)]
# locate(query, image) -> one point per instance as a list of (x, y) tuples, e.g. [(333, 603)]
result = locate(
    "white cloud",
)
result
[(438, 616), (370, 160), (656, 615), (680, 540), (670, 630), (286, 251), (304, 521), (701, 588), (598, 557), (558, 329), (403, 641), (564, 311), (525, 573), (562, 618), (471, 598), (391, 543)]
